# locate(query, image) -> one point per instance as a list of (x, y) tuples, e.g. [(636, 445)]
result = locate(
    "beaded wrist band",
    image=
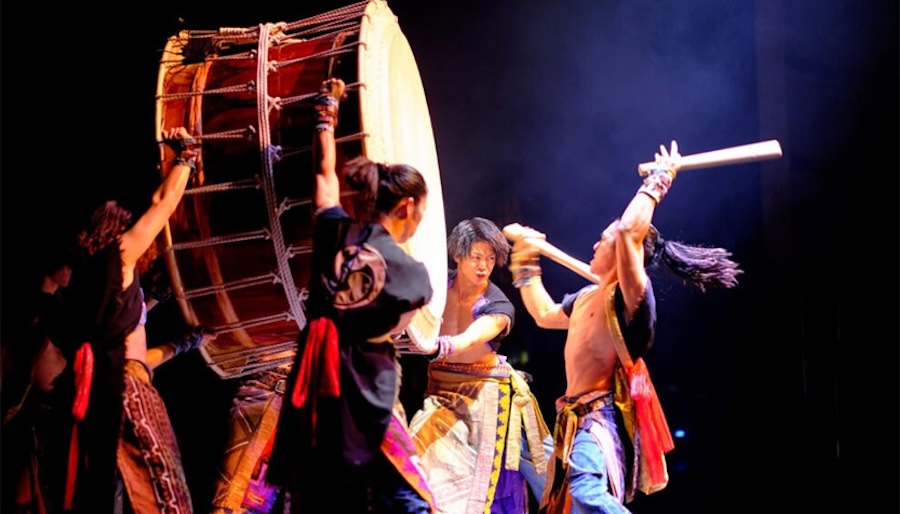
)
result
[(188, 342), (190, 162), (182, 145), (525, 275), (326, 107), (445, 347), (656, 185)]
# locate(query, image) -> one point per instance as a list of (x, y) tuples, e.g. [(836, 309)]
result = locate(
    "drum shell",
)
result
[(238, 246)]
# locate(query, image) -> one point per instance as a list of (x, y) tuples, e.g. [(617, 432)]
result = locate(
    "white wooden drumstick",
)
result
[(764, 150), (515, 231)]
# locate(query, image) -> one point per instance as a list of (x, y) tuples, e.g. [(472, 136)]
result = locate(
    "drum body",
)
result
[(238, 247)]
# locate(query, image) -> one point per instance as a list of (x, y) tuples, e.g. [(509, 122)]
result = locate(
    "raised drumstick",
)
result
[(761, 151), (515, 231)]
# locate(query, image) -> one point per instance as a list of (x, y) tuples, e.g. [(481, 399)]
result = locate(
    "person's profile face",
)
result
[(415, 218), (604, 249)]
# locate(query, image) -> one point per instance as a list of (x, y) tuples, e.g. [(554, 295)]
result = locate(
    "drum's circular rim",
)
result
[(401, 132)]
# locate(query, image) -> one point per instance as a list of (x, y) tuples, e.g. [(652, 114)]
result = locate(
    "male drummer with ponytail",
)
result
[(611, 435), (342, 439)]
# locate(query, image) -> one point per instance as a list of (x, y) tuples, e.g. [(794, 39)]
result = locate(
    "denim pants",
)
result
[(536, 482), (588, 476)]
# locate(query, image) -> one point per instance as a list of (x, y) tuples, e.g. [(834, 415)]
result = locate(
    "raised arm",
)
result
[(166, 198), (526, 271), (327, 186), (635, 223)]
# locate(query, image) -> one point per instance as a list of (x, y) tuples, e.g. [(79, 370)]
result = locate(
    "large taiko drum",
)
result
[(238, 247)]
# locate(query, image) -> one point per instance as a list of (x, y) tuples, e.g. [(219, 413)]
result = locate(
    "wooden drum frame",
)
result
[(238, 247)]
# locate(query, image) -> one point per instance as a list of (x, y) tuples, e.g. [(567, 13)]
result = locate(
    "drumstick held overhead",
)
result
[(515, 231), (761, 151)]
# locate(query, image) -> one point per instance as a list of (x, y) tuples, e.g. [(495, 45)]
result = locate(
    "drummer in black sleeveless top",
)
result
[(342, 438)]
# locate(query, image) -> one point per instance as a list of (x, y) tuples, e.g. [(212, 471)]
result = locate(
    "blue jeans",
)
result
[(588, 477), (537, 482)]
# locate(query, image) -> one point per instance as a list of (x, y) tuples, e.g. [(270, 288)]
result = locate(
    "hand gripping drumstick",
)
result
[(515, 231), (761, 151)]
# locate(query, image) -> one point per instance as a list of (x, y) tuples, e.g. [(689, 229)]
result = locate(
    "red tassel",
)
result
[(71, 469), (307, 363), (320, 367), (330, 384), (656, 438), (83, 367), (84, 375)]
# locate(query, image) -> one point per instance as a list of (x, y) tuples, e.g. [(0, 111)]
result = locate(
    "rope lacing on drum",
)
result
[(244, 56), (235, 185), (258, 358), (329, 32), (350, 11), (247, 132), (281, 102), (299, 150), (267, 153), (234, 355), (221, 240), (240, 31), (290, 203), (257, 322), (248, 87), (339, 50), (200, 32), (269, 278), (247, 183), (273, 28), (295, 250)]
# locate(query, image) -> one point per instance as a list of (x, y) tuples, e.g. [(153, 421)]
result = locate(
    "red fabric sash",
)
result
[(320, 367), (83, 368), (656, 439), (84, 375)]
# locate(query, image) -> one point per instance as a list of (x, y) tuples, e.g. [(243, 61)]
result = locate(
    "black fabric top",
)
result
[(98, 311), (364, 292)]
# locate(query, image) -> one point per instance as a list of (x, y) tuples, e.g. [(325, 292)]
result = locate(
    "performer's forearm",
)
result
[(540, 305), (160, 354), (484, 329), (327, 185), (635, 220)]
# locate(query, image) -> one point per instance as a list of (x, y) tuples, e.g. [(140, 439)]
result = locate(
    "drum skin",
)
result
[(238, 247)]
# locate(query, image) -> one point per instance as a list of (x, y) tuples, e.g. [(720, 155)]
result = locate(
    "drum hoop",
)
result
[(401, 132)]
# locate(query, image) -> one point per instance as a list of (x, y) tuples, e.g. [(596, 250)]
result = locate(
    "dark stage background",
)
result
[(785, 388)]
